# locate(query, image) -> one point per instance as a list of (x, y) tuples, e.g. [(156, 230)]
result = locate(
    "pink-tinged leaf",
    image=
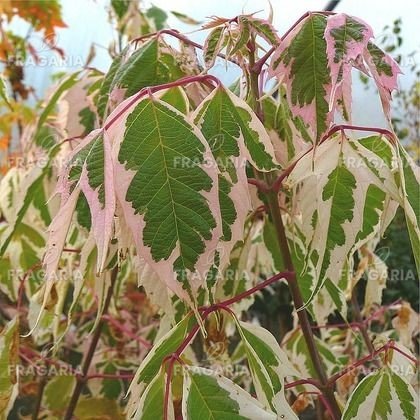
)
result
[(213, 45), (223, 135), (385, 71), (57, 230), (301, 61), (264, 29), (288, 134), (90, 165), (346, 38), (70, 173), (157, 292), (97, 184), (167, 194)]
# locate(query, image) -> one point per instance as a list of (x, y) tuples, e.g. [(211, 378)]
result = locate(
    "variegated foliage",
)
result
[(155, 181)]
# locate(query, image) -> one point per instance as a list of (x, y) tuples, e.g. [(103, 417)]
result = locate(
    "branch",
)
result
[(389, 345), (274, 212), (41, 386), (359, 319), (81, 379), (381, 310), (288, 275), (286, 172), (257, 67)]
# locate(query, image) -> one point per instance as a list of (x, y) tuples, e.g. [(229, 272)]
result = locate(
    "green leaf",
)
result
[(158, 16), (120, 7), (213, 45), (151, 404), (65, 85), (91, 168), (151, 64), (171, 189), (227, 208), (150, 366), (272, 244), (207, 396), (83, 212), (346, 211), (92, 155), (264, 29), (94, 408), (101, 99), (32, 190), (269, 366), (9, 356), (244, 35), (57, 393), (338, 191), (233, 130), (185, 19), (410, 177), (3, 92), (298, 353), (384, 395), (111, 388), (302, 59), (177, 98)]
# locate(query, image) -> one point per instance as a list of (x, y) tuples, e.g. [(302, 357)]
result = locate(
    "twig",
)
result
[(261, 185), (359, 319), (308, 381), (41, 386), (81, 379), (122, 328)]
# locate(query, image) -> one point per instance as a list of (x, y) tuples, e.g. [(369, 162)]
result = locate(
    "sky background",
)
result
[(87, 22)]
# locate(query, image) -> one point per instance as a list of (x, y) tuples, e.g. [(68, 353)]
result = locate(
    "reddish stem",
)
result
[(124, 329), (327, 405), (76, 251), (129, 376), (150, 90), (389, 345), (342, 127), (303, 17), (308, 381), (382, 310), (22, 285), (182, 38), (261, 185), (279, 181), (257, 67), (411, 358), (169, 373)]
